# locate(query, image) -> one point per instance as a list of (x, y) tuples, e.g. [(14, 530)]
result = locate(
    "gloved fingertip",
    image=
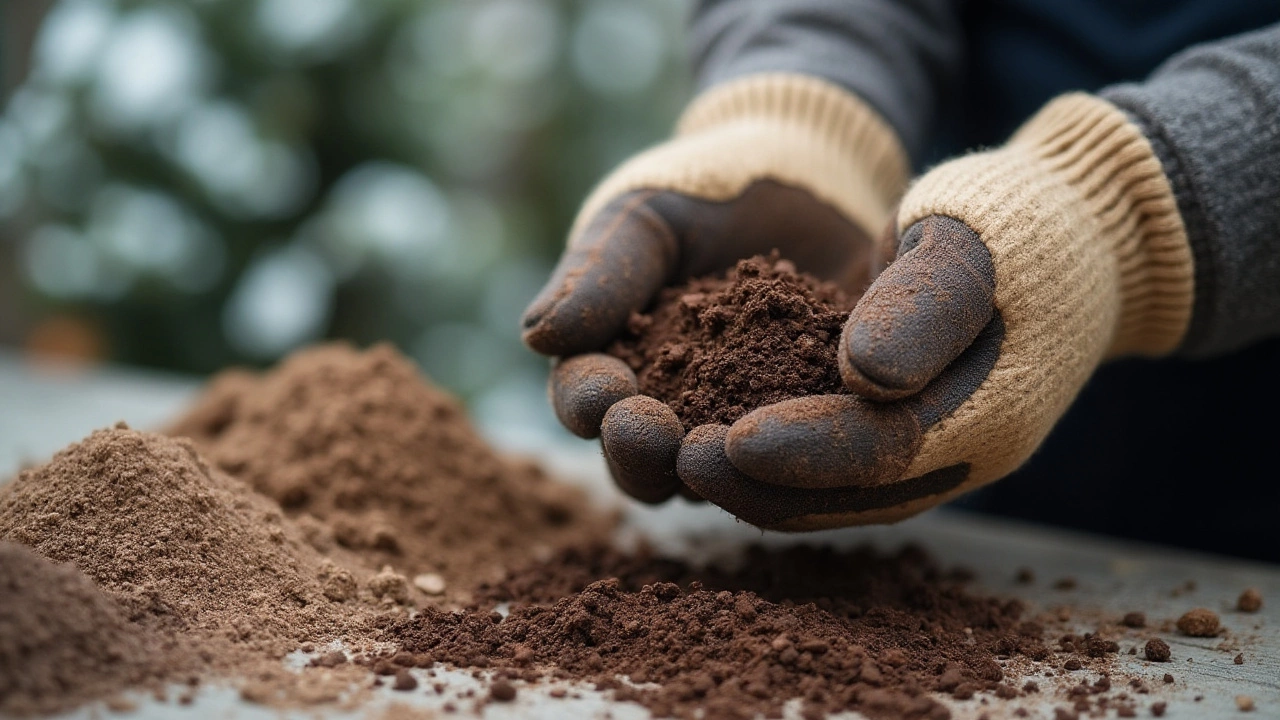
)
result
[(641, 437), (613, 268), (920, 313), (538, 329), (584, 387), (703, 465), (824, 441), (870, 379)]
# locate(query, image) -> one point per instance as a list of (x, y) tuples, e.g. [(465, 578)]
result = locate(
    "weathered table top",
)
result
[(41, 410)]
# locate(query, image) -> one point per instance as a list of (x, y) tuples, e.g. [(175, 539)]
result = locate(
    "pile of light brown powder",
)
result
[(387, 462), (179, 545), (63, 642)]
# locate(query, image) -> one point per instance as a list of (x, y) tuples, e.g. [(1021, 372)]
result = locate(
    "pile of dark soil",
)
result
[(861, 630), (716, 348)]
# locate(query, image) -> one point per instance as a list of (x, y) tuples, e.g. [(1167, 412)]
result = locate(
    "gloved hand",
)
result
[(1019, 271), (765, 162)]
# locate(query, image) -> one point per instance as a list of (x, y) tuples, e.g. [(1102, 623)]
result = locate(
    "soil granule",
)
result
[(388, 463), (62, 642), (1157, 650), (854, 630), (1200, 622), (1250, 601), (716, 348)]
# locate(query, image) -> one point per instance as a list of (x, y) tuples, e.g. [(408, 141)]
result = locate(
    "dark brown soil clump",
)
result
[(1157, 650), (716, 348), (1200, 622), (1250, 601), (62, 642), (388, 463), (839, 630)]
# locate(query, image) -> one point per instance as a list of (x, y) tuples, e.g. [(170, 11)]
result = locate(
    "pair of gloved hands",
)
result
[(1005, 278)]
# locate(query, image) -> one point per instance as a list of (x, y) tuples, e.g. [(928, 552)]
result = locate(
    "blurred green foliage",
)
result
[(220, 181)]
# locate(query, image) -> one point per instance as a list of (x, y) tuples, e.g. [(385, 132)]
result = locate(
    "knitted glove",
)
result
[(766, 162), (1019, 271)]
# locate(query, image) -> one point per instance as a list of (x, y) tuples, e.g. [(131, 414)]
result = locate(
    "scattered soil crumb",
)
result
[(502, 691), (1134, 620), (1200, 622), (1250, 601), (1157, 650), (1244, 703)]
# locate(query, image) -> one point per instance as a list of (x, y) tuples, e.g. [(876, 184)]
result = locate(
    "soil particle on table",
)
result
[(1157, 650), (63, 642), (1134, 620), (715, 348), (1200, 622), (502, 691), (1250, 601)]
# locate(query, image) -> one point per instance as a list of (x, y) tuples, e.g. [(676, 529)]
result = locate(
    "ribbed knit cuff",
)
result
[(1076, 210), (1096, 150), (795, 129)]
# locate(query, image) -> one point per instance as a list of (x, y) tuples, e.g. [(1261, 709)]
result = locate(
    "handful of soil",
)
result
[(715, 348)]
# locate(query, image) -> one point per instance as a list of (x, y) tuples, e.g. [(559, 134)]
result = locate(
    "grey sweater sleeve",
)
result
[(897, 55), (1213, 115)]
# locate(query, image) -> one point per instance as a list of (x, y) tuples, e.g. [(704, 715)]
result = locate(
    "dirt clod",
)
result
[(1200, 622), (1157, 650), (1134, 620), (502, 691), (1250, 601)]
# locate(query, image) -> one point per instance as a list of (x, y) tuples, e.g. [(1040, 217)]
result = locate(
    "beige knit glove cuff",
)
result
[(1076, 209), (794, 129), (1091, 261)]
